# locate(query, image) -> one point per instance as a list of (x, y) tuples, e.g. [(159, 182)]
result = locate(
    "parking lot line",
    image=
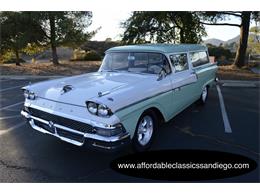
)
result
[(6, 89), (12, 128), (8, 117), (223, 111), (2, 81), (10, 106)]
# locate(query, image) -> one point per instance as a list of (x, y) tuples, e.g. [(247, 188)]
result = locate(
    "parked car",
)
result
[(136, 88)]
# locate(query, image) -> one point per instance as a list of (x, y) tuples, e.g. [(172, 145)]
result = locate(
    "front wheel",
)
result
[(145, 131), (204, 95)]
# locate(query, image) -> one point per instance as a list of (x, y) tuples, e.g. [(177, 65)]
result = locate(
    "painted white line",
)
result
[(10, 106), (7, 117), (12, 128), (223, 111), (2, 81), (6, 89)]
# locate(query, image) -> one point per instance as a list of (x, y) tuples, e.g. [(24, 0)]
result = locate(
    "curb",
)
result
[(239, 83)]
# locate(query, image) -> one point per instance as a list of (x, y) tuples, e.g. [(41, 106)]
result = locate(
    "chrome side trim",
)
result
[(147, 98), (86, 135)]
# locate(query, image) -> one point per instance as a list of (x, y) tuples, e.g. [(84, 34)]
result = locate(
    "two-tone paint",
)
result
[(128, 95)]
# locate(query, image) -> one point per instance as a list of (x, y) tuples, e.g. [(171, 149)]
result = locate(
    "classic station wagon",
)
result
[(136, 88)]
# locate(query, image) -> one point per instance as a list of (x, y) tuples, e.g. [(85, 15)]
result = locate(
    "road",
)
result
[(29, 156)]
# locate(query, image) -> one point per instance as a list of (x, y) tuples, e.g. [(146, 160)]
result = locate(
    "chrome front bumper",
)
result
[(104, 142)]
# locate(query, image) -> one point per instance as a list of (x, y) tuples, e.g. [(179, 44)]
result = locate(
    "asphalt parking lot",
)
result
[(29, 156)]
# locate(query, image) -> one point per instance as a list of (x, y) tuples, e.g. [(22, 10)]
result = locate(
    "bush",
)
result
[(221, 54), (92, 56), (12, 60), (8, 57), (81, 55)]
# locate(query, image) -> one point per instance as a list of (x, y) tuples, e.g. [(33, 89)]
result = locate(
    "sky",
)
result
[(110, 26)]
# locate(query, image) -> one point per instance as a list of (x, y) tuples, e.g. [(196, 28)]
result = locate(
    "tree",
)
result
[(163, 27), (33, 49), (64, 28), (254, 40), (17, 30), (217, 18)]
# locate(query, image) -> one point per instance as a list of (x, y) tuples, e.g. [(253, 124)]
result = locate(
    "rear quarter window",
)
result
[(199, 58)]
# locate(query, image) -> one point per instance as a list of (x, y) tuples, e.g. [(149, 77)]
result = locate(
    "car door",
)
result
[(183, 82), (200, 65)]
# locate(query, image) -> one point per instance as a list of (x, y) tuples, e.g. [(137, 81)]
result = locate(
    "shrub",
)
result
[(8, 57), (12, 60), (92, 56), (81, 55), (221, 54)]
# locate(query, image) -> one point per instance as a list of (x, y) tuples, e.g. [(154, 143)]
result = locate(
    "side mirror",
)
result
[(162, 74)]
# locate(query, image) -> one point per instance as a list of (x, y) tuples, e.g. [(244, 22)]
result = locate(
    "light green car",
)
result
[(136, 88)]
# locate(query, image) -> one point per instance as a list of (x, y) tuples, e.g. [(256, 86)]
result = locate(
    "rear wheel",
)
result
[(145, 131)]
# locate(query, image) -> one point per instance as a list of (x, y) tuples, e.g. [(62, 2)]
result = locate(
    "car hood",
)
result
[(92, 86)]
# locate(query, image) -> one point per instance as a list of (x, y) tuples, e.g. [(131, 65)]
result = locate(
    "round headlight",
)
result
[(92, 107), (103, 110), (31, 96)]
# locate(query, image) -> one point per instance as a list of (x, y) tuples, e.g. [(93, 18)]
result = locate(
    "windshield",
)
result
[(136, 62)]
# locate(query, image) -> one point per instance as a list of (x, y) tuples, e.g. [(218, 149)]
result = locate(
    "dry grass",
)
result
[(47, 68), (231, 72)]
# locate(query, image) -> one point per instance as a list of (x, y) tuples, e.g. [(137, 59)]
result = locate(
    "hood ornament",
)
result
[(100, 94), (66, 89)]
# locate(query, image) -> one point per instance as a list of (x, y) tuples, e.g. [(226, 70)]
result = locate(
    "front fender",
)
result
[(130, 115)]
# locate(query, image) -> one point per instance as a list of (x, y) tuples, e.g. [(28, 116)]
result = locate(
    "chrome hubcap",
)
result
[(204, 94), (145, 130)]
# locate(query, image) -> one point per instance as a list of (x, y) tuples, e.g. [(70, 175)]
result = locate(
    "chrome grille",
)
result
[(66, 122), (70, 135)]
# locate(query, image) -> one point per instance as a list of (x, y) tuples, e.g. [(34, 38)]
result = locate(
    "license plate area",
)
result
[(45, 126)]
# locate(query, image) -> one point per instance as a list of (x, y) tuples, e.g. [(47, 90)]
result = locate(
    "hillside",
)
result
[(214, 41)]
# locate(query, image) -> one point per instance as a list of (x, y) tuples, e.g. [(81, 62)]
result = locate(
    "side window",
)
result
[(179, 62), (156, 61), (141, 60), (199, 58), (204, 57)]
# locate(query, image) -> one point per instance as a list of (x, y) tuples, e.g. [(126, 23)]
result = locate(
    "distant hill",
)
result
[(214, 41), (217, 42), (233, 40)]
